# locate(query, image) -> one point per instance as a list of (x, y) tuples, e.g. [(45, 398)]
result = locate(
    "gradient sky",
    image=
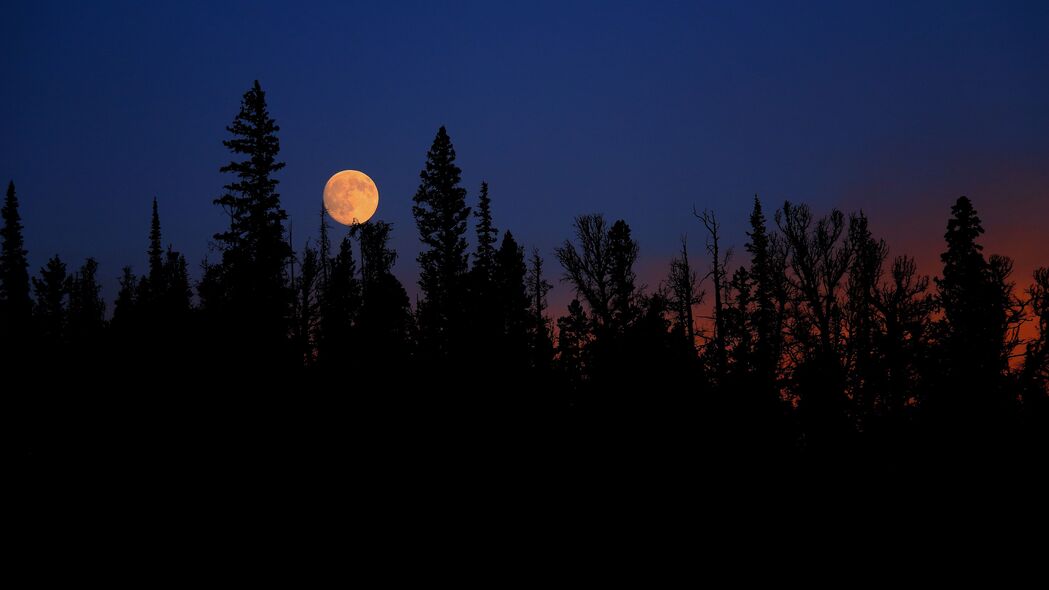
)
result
[(639, 110)]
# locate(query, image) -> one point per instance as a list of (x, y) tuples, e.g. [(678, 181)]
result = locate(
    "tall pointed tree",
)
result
[(766, 271), (254, 250), (324, 250), (542, 340), (156, 254), (339, 309), (512, 295), (485, 317), (15, 306), (440, 213), (971, 307), (865, 375), (484, 258)]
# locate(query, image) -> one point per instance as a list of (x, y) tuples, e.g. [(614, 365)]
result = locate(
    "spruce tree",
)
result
[(15, 305), (971, 309), (385, 315), (125, 306), (177, 291), (538, 287), (623, 253), (87, 310), (484, 258), (156, 256), (768, 279), (440, 213), (306, 307), (324, 250), (573, 339), (485, 317), (51, 293), (339, 309), (254, 287), (865, 375), (512, 295)]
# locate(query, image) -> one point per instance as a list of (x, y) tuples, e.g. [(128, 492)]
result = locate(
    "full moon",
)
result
[(351, 197)]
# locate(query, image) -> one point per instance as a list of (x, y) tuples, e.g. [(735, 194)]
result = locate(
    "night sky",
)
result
[(637, 110)]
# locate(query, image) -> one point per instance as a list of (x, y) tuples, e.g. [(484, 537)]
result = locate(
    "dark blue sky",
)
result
[(637, 110)]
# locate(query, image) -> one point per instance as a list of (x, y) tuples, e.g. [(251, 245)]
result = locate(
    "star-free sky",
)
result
[(638, 110)]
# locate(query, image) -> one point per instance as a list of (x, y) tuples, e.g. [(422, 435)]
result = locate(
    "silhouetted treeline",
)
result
[(820, 345)]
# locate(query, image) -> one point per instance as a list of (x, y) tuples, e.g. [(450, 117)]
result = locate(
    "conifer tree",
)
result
[(156, 258), (87, 310), (973, 326), (51, 295), (512, 295), (253, 285), (15, 305), (440, 213), (339, 309), (385, 315), (125, 306)]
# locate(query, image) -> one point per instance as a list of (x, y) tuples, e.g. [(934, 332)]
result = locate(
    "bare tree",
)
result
[(717, 274), (684, 292), (818, 258)]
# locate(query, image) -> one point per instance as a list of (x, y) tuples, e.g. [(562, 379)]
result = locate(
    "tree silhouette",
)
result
[(541, 338), (252, 282), (866, 377), (125, 308), (87, 310), (684, 296), (822, 354), (906, 308), (323, 250), (306, 306), (177, 295), (15, 305), (819, 257), (511, 292), (385, 316), (972, 296), (154, 284), (767, 273), (51, 294), (1034, 376), (601, 269), (718, 275), (574, 337), (484, 258), (340, 305), (623, 251), (440, 213), (486, 315)]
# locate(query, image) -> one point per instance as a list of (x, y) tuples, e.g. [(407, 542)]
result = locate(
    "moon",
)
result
[(351, 197)]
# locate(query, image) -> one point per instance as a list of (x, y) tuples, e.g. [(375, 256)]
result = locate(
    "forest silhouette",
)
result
[(820, 353)]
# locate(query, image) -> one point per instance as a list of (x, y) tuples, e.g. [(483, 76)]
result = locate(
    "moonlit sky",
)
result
[(639, 110)]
